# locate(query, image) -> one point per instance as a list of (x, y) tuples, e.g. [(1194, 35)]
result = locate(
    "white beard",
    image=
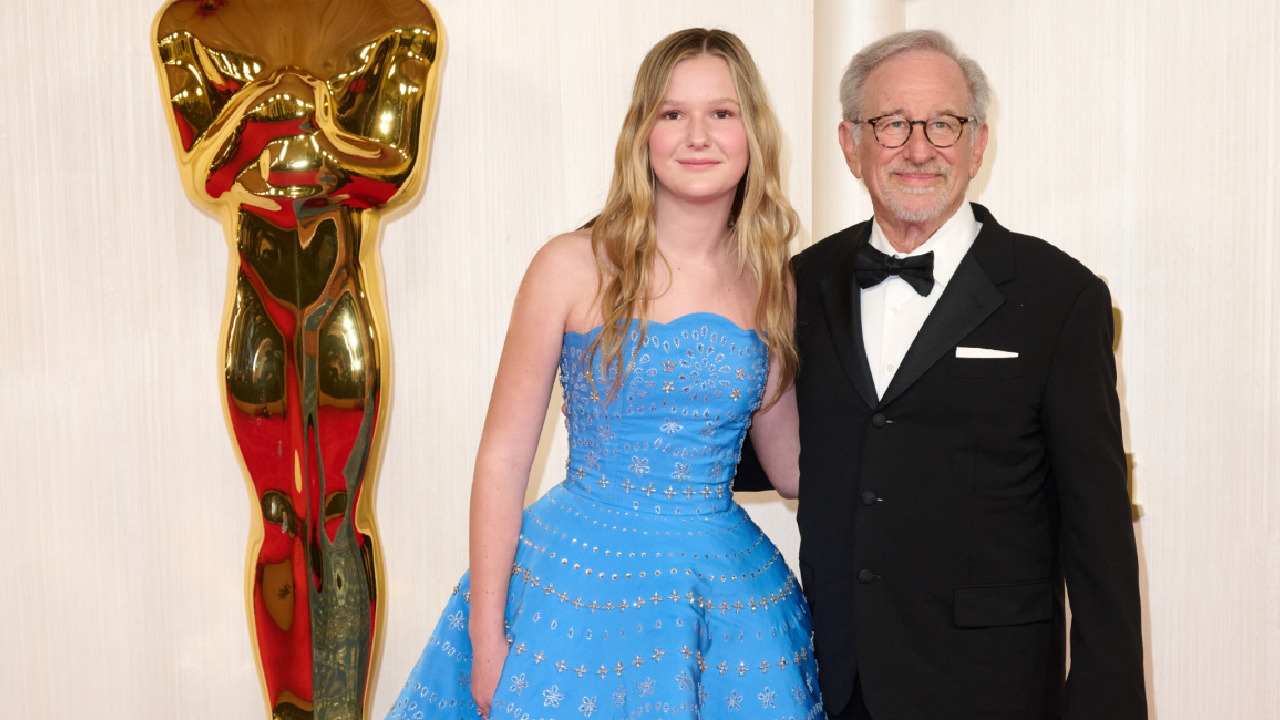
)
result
[(895, 193)]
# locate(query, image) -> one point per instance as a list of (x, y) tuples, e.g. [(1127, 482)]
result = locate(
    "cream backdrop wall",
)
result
[(1139, 136)]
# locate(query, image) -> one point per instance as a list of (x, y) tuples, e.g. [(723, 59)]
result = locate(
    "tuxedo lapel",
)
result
[(842, 304), (969, 298)]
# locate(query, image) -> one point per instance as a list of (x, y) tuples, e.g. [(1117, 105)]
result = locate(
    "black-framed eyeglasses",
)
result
[(893, 131)]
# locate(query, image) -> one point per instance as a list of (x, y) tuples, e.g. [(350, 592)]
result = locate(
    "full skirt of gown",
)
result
[(640, 589)]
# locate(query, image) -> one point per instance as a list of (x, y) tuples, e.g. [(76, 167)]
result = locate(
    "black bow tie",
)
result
[(872, 266)]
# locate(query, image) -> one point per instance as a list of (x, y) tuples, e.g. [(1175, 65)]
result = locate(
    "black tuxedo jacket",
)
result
[(938, 523)]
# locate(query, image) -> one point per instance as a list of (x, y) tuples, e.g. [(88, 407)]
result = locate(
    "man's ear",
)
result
[(979, 147), (846, 130)]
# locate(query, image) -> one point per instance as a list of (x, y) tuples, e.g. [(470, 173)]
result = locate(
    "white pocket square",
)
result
[(984, 353)]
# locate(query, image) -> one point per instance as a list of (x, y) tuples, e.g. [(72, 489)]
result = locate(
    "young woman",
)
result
[(638, 588)]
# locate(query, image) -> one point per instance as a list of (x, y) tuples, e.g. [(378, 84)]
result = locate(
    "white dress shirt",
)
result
[(893, 312)]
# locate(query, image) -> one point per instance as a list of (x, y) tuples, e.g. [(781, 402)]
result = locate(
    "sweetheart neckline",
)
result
[(673, 321)]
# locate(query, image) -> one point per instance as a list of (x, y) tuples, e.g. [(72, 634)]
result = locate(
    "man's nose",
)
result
[(918, 148)]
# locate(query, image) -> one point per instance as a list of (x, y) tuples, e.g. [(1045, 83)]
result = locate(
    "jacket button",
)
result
[(865, 576), (869, 498), (878, 420)]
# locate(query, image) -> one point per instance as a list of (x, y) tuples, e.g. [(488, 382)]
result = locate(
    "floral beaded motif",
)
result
[(667, 442)]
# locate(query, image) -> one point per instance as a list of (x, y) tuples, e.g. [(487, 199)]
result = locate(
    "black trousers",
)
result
[(857, 709)]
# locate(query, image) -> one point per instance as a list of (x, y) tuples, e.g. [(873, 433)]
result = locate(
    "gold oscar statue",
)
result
[(298, 123)]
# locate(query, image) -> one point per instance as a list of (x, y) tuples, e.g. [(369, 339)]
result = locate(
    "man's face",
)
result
[(917, 182)]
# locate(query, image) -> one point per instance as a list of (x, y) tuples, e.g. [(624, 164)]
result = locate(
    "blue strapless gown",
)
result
[(640, 589)]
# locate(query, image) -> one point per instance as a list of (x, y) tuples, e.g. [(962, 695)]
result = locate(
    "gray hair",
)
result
[(871, 56)]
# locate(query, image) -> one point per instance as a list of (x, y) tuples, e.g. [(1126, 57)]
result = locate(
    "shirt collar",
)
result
[(948, 243)]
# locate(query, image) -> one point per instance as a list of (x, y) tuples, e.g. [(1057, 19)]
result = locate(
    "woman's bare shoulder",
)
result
[(564, 272), (570, 252), (565, 261)]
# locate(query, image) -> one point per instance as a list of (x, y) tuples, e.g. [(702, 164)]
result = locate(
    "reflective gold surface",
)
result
[(298, 123)]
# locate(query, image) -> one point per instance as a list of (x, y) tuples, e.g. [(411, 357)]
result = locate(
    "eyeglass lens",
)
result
[(894, 130)]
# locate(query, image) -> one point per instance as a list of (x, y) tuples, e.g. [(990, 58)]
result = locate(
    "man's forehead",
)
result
[(917, 80)]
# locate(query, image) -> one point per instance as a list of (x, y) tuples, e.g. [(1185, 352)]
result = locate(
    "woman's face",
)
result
[(698, 146)]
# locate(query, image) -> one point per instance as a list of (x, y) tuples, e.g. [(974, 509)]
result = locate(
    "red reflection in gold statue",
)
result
[(299, 122)]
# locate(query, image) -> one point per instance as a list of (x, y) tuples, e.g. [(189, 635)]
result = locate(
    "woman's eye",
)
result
[(723, 114), (671, 115)]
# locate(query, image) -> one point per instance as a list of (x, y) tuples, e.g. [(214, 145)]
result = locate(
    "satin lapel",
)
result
[(842, 303), (969, 299)]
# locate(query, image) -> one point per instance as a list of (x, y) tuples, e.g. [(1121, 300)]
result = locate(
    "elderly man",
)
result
[(960, 432)]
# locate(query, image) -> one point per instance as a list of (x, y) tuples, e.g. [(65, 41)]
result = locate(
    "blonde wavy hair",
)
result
[(762, 221)]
